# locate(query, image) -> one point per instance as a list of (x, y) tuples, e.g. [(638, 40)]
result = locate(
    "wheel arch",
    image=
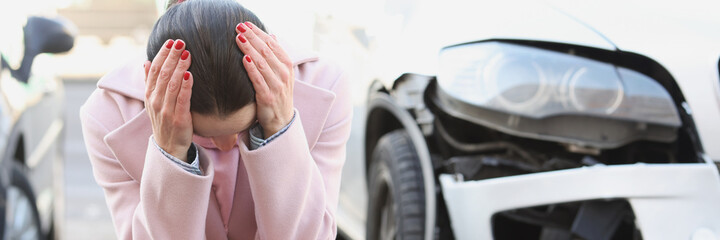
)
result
[(383, 116)]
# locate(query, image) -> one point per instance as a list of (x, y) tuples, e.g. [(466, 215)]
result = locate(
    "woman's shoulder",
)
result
[(118, 96), (321, 72), (328, 75)]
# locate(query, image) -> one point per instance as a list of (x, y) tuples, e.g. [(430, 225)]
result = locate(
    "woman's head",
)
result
[(207, 27), (222, 102)]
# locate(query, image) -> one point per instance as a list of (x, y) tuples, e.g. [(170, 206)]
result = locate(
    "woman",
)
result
[(226, 134)]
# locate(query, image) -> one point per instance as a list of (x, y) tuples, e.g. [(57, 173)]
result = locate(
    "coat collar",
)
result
[(313, 105)]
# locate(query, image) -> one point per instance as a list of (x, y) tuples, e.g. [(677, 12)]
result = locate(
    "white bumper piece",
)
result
[(670, 201)]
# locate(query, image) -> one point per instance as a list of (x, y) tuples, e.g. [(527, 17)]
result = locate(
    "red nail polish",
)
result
[(241, 38), (180, 44), (169, 44), (248, 25), (241, 28), (184, 55), (247, 58), (186, 76)]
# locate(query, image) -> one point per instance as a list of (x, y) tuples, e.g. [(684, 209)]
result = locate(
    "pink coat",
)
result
[(287, 189)]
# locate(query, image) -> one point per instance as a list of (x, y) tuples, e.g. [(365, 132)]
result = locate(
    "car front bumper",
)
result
[(670, 201)]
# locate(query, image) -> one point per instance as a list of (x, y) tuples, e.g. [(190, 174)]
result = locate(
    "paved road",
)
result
[(86, 214)]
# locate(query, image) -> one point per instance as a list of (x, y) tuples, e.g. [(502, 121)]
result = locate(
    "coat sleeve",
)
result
[(167, 203), (295, 189)]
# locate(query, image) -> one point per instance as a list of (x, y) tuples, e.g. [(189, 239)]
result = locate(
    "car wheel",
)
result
[(396, 194), (21, 215)]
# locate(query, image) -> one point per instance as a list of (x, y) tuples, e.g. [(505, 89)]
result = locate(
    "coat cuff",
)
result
[(192, 167), (291, 142), (257, 138)]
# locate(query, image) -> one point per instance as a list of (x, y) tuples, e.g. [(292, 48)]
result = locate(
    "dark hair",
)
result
[(207, 27)]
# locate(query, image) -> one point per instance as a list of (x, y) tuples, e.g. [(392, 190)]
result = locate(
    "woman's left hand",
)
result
[(271, 72)]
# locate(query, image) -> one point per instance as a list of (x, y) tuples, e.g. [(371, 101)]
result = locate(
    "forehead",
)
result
[(212, 125)]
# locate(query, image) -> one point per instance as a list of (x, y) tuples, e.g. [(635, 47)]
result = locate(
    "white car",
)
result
[(31, 125), (545, 120)]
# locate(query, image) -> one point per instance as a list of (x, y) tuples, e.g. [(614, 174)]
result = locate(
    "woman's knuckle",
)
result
[(262, 66), (172, 85), (166, 114), (284, 75), (155, 68), (177, 122), (273, 44), (165, 74), (155, 103), (266, 52)]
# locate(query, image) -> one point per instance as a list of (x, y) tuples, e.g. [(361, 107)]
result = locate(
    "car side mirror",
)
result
[(44, 35)]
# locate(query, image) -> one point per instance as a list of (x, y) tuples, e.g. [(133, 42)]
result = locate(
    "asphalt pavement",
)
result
[(86, 215)]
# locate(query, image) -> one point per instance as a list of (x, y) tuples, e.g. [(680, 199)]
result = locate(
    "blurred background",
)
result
[(364, 37)]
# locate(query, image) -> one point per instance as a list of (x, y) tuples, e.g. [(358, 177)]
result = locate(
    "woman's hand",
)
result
[(168, 87), (271, 72)]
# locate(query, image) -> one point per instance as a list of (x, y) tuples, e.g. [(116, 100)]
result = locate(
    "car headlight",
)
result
[(537, 83)]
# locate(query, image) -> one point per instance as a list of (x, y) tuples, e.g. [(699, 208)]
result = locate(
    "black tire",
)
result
[(20, 182), (395, 174)]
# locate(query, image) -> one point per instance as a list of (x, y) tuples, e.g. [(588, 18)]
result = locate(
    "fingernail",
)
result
[(247, 58), (180, 44), (186, 76), (273, 36), (241, 38), (248, 25), (184, 55), (241, 28), (169, 44)]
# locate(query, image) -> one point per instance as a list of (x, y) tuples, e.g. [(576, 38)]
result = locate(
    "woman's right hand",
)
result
[(168, 87)]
